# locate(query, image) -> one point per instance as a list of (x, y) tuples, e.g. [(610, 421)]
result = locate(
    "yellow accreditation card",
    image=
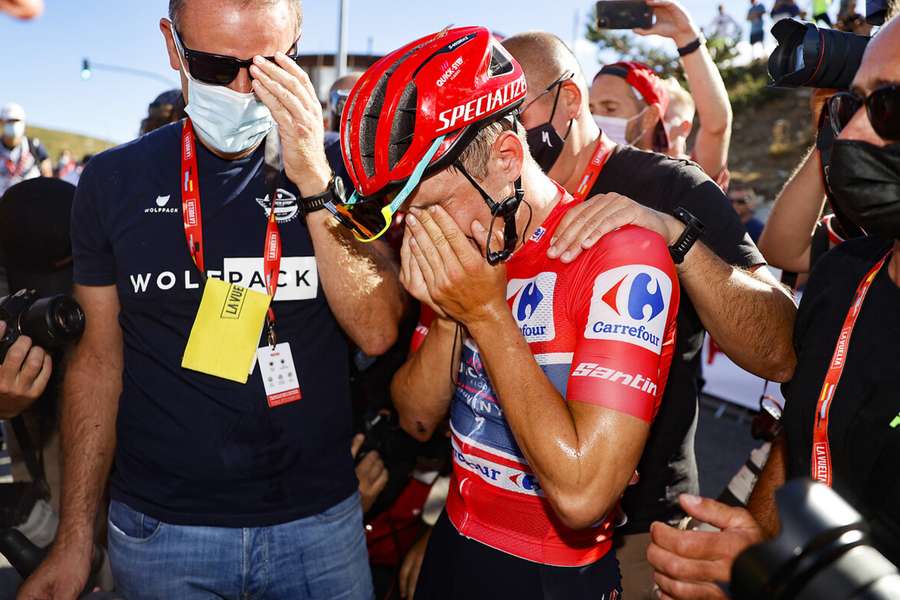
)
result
[(226, 331)]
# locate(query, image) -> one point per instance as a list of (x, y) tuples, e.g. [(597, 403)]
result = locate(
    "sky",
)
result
[(43, 57)]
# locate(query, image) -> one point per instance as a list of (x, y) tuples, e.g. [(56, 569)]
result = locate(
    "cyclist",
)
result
[(561, 365)]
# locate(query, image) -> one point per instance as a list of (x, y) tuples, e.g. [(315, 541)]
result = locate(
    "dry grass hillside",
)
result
[(772, 130), (56, 141)]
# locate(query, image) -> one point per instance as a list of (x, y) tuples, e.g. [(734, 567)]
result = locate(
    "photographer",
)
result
[(726, 288), (611, 100), (36, 255), (841, 425), (214, 472), (36, 252)]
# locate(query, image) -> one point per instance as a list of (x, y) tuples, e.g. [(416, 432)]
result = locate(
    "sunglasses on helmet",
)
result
[(217, 69), (370, 218), (882, 107)]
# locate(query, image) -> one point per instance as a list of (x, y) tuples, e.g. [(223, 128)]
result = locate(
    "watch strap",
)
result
[(693, 230), (691, 47), (313, 203), (334, 191)]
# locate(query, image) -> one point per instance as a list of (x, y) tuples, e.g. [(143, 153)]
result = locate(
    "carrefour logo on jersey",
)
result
[(630, 304), (532, 306)]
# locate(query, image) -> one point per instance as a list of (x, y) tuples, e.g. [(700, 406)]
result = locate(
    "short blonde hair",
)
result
[(475, 157), (681, 103)]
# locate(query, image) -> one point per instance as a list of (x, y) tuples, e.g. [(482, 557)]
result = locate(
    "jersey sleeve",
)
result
[(94, 263), (624, 303)]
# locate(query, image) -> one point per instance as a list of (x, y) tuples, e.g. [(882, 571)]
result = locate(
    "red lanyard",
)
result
[(193, 221), (16, 170), (601, 155), (820, 465)]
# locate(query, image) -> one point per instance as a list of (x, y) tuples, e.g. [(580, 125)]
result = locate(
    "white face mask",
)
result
[(228, 121), (13, 130), (616, 128)]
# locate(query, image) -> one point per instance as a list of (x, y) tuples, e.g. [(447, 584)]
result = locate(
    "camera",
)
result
[(50, 322), (823, 551), (808, 56)]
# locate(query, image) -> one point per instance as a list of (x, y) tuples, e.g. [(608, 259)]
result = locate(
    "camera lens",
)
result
[(53, 322), (812, 57)]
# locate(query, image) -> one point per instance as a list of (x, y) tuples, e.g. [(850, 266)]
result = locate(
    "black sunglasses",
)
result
[(217, 69), (566, 76), (882, 107)]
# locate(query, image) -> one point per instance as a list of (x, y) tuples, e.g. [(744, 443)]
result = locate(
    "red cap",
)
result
[(647, 83)]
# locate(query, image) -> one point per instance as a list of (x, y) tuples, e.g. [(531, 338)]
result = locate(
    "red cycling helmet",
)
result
[(414, 111)]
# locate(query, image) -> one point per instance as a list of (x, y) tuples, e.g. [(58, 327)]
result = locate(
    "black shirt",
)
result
[(668, 466), (191, 448), (864, 419)]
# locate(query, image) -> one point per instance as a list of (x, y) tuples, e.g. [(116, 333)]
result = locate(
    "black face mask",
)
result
[(543, 141), (865, 184)]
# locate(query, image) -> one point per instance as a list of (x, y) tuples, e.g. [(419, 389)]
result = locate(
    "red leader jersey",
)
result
[(603, 330)]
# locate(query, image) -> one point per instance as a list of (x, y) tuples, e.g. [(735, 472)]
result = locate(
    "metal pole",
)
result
[(343, 27), (576, 28), (88, 66)]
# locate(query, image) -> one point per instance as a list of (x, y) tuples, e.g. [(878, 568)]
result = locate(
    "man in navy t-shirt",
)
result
[(216, 490)]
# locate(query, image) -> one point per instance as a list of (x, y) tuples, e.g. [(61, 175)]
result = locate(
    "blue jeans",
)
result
[(318, 557)]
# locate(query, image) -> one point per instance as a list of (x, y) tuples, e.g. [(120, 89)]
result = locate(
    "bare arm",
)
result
[(707, 88), (583, 455), (713, 109), (361, 284), (89, 406), (421, 388), (749, 314), (786, 239), (762, 501)]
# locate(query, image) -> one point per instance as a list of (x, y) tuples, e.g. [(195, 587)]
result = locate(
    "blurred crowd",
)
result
[(472, 285)]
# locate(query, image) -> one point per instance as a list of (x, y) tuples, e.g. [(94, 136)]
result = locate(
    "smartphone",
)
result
[(624, 14)]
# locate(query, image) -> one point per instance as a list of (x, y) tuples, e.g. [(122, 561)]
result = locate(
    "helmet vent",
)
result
[(404, 125), (369, 125), (500, 63)]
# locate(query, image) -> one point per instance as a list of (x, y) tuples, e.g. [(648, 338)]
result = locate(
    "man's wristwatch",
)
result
[(693, 230), (334, 191)]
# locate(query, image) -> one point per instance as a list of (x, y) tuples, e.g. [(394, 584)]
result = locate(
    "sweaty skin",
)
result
[(567, 444)]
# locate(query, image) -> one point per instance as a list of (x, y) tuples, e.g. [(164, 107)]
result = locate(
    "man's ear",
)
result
[(571, 100), (653, 116), (508, 156), (165, 26), (684, 129)]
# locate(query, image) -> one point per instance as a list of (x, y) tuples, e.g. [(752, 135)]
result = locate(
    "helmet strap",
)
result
[(507, 210)]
